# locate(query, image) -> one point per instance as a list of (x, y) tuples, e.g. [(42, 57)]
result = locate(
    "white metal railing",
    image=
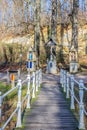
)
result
[(69, 83), (36, 79)]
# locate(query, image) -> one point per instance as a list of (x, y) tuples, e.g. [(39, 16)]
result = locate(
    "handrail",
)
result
[(6, 123), (30, 91), (4, 95), (76, 81), (68, 82)]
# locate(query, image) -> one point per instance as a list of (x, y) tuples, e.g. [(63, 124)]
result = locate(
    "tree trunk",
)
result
[(54, 20), (75, 24), (74, 43), (37, 31)]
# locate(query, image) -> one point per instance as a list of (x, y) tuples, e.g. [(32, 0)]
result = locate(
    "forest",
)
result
[(35, 22)]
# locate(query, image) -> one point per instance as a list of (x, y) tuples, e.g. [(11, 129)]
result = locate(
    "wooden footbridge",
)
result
[(51, 110)]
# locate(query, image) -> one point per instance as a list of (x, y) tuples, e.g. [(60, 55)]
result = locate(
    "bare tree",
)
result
[(54, 20), (37, 30), (74, 20)]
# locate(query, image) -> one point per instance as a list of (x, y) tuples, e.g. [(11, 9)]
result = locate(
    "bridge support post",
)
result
[(72, 93), (67, 86), (19, 105), (81, 106), (28, 91), (33, 86)]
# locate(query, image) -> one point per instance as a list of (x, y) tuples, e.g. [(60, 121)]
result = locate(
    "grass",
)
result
[(10, 100), (4, 88)]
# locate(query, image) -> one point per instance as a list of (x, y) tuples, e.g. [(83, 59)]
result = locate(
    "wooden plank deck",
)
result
[(50, 111)]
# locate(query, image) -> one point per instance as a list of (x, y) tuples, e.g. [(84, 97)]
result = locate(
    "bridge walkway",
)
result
[(50, 111)]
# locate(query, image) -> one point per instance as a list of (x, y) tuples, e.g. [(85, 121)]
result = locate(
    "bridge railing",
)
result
[(70, 85), (33, 82)]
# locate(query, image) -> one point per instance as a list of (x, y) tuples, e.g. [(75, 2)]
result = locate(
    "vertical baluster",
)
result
[(81, 106), (72, 92), (67, 86), (33, 86), (19, 105), (28, 91)]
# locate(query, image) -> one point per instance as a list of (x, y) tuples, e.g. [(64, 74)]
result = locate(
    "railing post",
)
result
[(36, 81), (60, 76), (40, 76), (65, 79), (67, 86), (8, 76), (62, 79), (72, 93), (0, 109), (28, 91), (18, 73), (81, 106), (19, 104), (33, 86)]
